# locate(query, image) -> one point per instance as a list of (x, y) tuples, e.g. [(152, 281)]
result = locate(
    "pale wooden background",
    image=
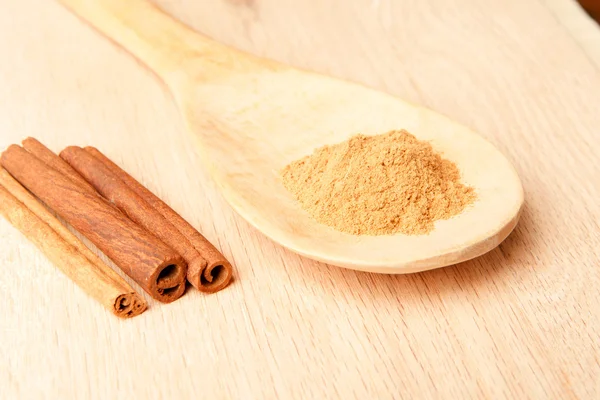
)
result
[(519, 322)]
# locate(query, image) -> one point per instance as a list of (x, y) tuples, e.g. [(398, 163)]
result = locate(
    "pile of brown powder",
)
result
[(378, 185)]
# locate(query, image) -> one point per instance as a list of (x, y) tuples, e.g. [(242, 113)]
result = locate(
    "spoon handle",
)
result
[(159, 41)]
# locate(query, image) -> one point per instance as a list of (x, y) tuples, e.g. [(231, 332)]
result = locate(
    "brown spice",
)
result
[(46, 155), (217, 272), (65, 250), (157, 268), (378, 185), (207, 269)]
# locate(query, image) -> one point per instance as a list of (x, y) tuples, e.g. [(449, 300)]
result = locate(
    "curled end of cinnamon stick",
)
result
[(168, 282), (129, 305), (212, 277)]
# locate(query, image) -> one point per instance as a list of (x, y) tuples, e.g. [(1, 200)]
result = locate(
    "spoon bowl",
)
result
[(250, 117)]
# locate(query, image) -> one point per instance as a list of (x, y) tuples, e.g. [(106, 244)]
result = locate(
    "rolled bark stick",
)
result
[(156, 267), (217, 272), (109, 185), (63, 249), (52, 160), (21, 194)]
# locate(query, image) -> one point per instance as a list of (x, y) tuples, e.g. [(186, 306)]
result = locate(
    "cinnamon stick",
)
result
[(156, 267), (65, 251), (212, 275), (21, 194), (135, 207), (46, 155)]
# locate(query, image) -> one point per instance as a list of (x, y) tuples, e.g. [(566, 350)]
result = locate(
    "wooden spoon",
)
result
[(250, 117)]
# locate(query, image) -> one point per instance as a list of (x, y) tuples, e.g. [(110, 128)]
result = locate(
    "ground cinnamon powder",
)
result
[(378, 185)]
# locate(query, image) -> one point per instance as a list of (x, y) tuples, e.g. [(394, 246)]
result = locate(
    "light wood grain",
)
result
[(519, 322), (251, 117)]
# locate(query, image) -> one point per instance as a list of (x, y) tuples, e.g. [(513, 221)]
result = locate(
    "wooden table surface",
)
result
[(520, 322)]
